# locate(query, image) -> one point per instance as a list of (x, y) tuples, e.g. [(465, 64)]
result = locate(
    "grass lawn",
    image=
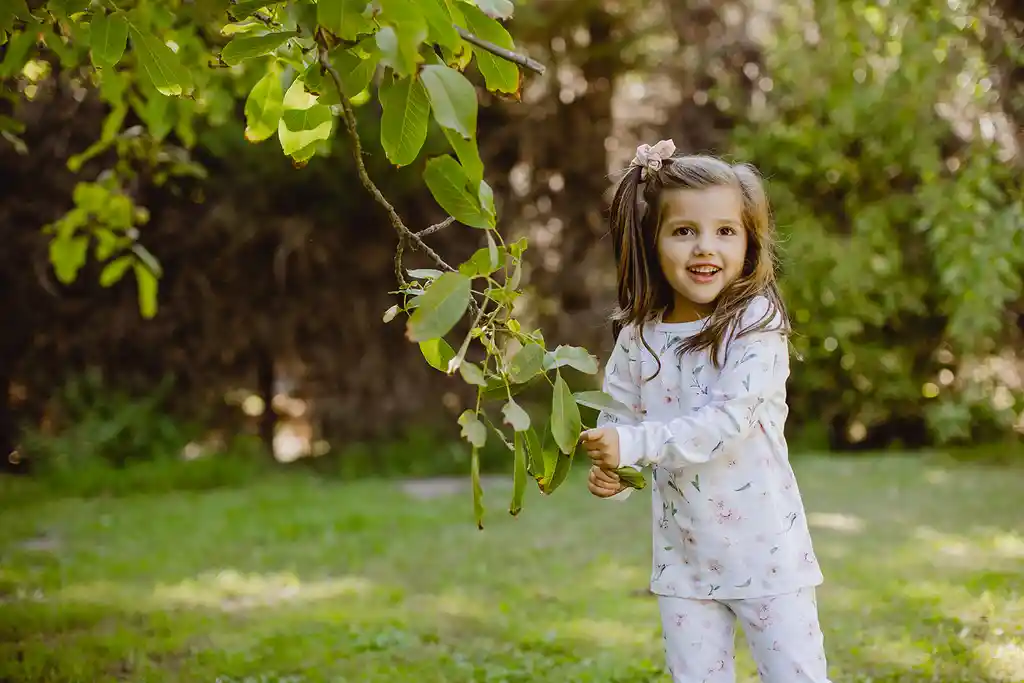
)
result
[(298, 580)]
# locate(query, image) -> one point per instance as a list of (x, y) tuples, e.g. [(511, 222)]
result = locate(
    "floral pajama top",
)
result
[(728, 518)]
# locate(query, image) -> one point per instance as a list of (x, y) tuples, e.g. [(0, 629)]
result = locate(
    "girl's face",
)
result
[(702, 245)]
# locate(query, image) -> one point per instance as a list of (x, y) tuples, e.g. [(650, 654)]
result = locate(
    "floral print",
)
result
[(782, 632), (728, 518)]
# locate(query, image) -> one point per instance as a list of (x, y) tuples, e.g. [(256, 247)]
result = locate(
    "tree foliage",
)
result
[(307, 65), (898, 196)]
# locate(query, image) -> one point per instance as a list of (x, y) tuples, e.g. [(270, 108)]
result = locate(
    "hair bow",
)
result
[(651, 158)]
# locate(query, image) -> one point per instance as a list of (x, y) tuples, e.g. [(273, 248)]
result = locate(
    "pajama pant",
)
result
[(782, 632)]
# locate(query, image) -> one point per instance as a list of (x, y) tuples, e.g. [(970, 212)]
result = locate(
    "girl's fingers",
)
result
[(606, 476)]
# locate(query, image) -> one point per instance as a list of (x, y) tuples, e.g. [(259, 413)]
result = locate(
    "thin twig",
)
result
[(399, 275), (357, 152), (436, 228), (509, 55)]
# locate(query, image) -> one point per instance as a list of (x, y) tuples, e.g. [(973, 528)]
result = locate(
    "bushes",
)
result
[(105, 440)]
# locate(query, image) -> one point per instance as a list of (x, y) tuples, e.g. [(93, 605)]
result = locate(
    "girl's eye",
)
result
[(683, 230), (727, 230)]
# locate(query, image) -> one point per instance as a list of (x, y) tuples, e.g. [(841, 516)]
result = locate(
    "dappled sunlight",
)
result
[(1001, 662), (902, 652), (609, 633), (984, 548), (836, 522), (609, 573), (231, 590), (453, 603)]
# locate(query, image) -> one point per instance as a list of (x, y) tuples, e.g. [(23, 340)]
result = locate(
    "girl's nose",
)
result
[(705, 242)]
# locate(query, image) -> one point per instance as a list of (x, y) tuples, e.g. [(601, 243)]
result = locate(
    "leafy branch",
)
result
[(314, 62)]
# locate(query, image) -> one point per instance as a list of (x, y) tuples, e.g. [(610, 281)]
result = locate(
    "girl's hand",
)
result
[(602, 446), (603, 483)]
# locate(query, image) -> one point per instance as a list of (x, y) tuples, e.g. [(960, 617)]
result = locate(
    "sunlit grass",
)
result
[(294, 579)]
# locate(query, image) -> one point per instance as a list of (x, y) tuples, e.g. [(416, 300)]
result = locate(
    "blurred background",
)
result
[(890, 135)]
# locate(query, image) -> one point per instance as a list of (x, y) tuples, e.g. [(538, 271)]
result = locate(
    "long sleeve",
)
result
[(755, 371), (620, 382)]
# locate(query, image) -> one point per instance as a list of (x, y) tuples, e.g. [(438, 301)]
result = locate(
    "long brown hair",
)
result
[(644, 292)]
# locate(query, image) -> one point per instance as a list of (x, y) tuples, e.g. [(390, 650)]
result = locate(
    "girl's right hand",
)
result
[(604, 483)]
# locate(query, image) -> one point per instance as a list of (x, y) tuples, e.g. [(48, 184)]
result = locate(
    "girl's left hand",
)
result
[(602, 446)]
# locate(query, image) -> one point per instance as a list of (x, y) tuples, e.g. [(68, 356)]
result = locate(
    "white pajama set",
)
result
[(730, 535)]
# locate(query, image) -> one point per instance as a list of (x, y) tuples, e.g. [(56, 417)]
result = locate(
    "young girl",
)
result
[(702, 359)]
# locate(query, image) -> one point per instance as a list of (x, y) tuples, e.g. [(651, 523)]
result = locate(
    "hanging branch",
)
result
[(357, 151)]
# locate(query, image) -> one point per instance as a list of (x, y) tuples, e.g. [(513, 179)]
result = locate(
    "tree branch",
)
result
[(509, 55), (357, 152), (405, 235), (436, 228)]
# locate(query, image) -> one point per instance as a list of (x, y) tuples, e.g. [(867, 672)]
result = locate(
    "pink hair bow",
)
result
[(651, 158)]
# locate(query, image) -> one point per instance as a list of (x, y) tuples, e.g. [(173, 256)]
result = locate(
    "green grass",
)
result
[(295, 579)]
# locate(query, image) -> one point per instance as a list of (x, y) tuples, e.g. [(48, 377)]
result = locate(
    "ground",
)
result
[(294, 579)]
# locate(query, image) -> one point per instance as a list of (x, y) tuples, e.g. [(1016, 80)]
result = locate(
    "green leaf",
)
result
[(478, 492), (65, 7), (403, 31), (515, 416), (481, 263), (246, 8), (403, 127), (17, 52), (67, 254), (630, 477), (344, 18), (565, 416), (473, 430), (438, 353), (246, 26), (573, 356), (486, 196), (472, 373), (518, 475), (447, 182), (527, 362), (425, 273), (391, 314), (161, 66), (246, 47), (535, 462), (356, 71), (549, 457), (264, 107), (440, 308), (147, 259), (563, 465), (145, 280), (108, 37), (492, 252), (115, 270), (452, 98), (499, 9), (499, 74), (440, 22), (469, 156), (304, 121), (600, 400)]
